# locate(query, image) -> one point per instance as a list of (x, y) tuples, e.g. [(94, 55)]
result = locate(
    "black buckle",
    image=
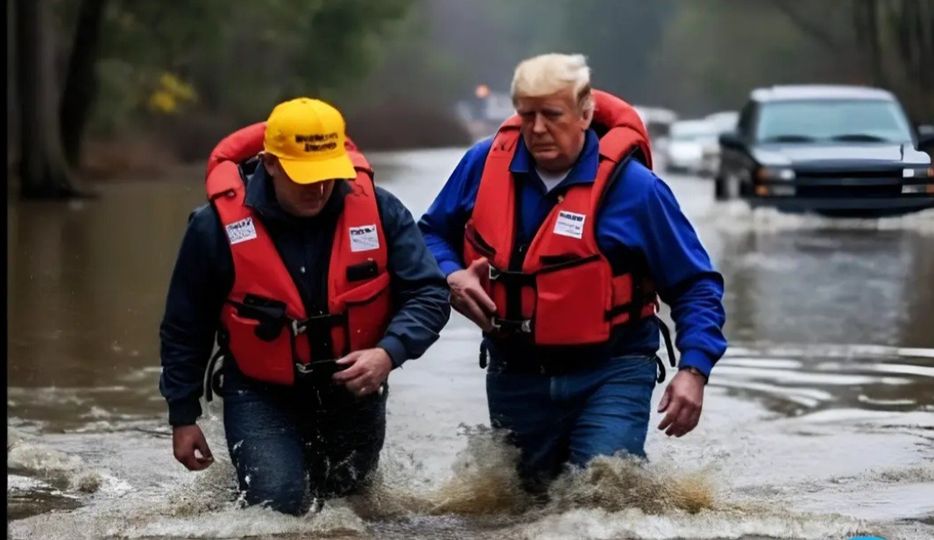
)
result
[(508, 277), (318, 367), (523, 326), (300, 327)]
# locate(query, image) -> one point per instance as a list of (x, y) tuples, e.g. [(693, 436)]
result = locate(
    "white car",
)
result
[(657, 121), (723, 122), (685, 149)]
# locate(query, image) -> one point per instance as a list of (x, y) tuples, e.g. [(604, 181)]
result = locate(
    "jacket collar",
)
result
[(261, 197)]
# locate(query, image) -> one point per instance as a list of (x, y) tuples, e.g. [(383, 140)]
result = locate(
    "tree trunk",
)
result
[(81, 82), (12, 121), (866, 23), (43, 169), (875, 46)]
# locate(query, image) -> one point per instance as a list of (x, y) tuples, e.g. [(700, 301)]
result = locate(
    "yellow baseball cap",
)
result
[(307, 135)]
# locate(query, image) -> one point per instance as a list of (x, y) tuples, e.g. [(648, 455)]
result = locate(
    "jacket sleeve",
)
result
[(420, 292), (202, 277), (685, 277), (443, 223)]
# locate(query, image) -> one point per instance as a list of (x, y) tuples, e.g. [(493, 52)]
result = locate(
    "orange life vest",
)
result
[(560, 289), (264, 320)]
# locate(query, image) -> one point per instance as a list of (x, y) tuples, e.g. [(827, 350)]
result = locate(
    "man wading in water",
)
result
[(316, 284), (557, 240)]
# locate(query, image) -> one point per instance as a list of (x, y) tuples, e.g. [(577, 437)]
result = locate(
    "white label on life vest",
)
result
[(570, 224), (363, 238), (241, 231)]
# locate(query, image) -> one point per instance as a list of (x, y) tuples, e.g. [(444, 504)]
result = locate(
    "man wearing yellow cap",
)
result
[(314, 284)]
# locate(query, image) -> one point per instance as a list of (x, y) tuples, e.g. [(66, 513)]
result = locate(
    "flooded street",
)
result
[(818, 423)]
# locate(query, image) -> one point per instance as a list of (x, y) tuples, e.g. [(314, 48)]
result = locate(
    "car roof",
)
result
[(693, 127), (819, 91)]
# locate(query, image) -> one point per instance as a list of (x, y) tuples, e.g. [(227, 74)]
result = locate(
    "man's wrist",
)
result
[(394, 349), (695, 371), (449, 267)]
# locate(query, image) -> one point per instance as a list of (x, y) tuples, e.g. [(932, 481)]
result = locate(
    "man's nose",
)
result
[(538, 125)]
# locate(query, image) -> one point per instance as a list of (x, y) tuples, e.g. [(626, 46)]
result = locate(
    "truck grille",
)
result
[(849, 191), (859, 183)]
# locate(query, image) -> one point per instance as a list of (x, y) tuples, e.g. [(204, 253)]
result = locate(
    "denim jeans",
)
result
[(571, 418), (289, 444)]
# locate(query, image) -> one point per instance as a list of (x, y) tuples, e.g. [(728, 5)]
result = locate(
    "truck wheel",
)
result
[(721, 190)]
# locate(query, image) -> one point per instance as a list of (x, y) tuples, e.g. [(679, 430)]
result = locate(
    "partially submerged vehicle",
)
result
[(835, 150)]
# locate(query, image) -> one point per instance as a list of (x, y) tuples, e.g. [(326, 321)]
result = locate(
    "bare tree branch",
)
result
[(806, 26)]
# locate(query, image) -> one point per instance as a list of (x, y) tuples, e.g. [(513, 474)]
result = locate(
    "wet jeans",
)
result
[(292, 444), (574, 417)]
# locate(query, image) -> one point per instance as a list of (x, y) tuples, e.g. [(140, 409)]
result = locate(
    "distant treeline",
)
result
[(167, 79)]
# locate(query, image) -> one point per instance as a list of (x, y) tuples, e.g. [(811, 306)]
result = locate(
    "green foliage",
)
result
[(239, 59), (713, 53), (384, 59)]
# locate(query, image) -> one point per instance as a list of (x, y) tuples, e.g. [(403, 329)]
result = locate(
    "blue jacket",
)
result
[(203, 277), (639, 213)]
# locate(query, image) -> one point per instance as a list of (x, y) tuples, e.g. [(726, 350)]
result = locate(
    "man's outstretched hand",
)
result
[(468, 295)]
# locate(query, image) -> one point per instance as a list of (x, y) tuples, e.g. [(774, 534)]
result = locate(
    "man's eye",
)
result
[(527, 115), (552, 114)]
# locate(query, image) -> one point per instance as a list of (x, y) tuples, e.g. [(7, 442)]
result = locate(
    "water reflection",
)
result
[(829, 286)]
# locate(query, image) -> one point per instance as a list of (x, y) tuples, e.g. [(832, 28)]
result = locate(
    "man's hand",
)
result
[(366, 371), (191, 448), (468, 296), (683, 399)]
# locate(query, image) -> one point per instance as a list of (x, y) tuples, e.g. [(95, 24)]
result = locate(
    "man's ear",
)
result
[(587, 118), (269, 161)]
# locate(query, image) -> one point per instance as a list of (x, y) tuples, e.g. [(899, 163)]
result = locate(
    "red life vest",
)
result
[(560, 288), (266, 325)]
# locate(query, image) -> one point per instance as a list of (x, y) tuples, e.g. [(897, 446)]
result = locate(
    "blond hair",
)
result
[(550, 73)]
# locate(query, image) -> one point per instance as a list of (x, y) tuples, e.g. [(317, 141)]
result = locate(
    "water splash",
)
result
[(483, 483), (485, 480), (612, 497), (53, 466), (617, 483)]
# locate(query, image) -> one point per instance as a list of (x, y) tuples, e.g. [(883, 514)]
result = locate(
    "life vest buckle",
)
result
[(299, 327), (509, 277), (316, 367), (523, 326)]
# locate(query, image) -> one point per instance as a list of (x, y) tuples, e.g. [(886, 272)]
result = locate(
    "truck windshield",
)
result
[(833, 120)]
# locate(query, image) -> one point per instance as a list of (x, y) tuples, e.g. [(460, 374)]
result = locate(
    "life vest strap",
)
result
[(511, 278), (666, 334), (213, 383), (328, 319), (521, 326), (315, 368)]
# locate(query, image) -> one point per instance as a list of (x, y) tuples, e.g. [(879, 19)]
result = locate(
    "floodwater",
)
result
[(818, 423)]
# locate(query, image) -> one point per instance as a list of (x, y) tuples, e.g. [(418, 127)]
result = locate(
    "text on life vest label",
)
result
[(363, 238), (570, 224), (241, 231)]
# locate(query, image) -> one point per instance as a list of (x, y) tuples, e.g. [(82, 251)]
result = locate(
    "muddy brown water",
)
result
[(818, 423)]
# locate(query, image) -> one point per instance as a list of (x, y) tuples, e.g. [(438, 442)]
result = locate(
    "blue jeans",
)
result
[(288, 443), (571, 418)]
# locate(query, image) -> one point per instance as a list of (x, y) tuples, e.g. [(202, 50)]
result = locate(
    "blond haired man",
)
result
[(558, 240)]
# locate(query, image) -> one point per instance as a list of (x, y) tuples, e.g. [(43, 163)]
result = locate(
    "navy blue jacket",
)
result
[(203, 277), (639, 214)]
